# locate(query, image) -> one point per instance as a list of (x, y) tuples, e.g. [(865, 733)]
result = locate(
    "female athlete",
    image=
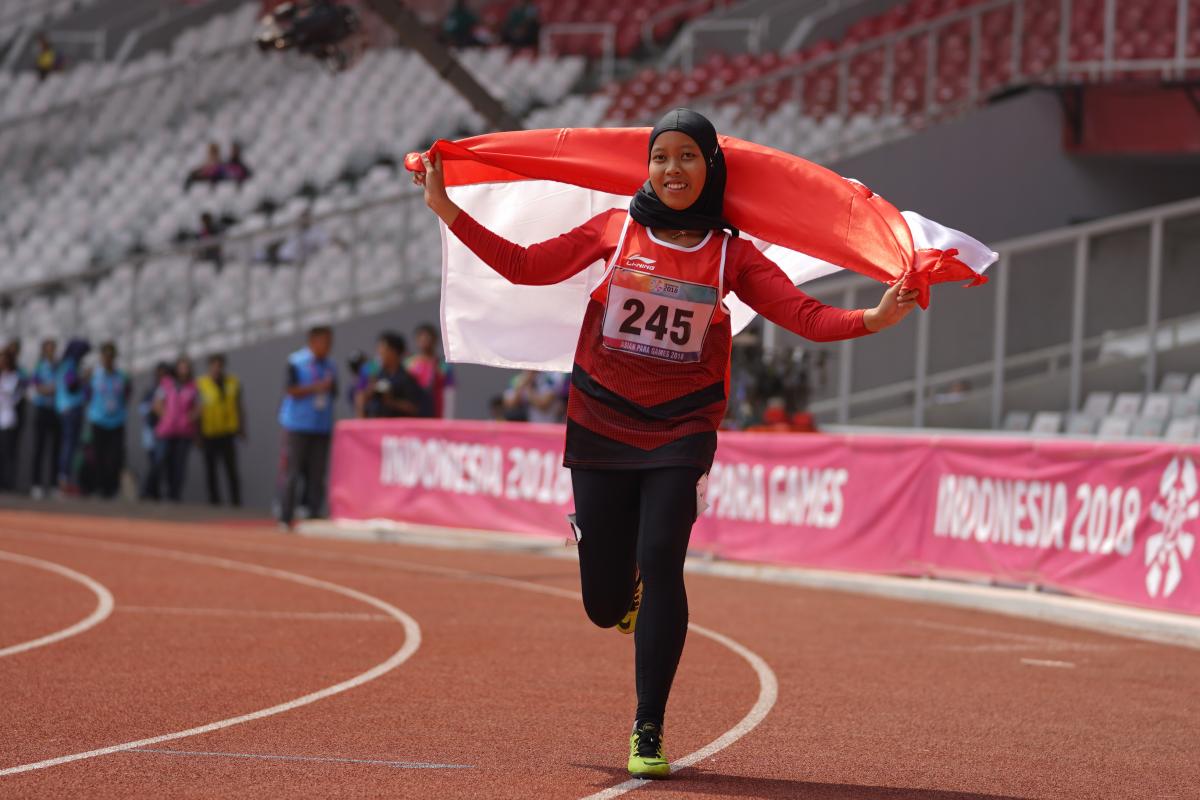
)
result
[(648, 388)]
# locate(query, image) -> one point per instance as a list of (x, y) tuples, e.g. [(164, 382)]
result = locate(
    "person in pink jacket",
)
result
[(178, 408)]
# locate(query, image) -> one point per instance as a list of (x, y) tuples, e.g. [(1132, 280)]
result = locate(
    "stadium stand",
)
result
[(100, 154)]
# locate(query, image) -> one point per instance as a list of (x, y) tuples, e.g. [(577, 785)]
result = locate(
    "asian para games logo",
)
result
[(1167, 549), (640, 262)]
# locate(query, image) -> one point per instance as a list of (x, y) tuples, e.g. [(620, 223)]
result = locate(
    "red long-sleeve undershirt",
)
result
[(753, 277)]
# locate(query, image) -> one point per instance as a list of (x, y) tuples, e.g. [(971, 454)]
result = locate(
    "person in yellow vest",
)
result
[(221, 424)]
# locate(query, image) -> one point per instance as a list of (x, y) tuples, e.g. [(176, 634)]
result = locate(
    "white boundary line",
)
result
[(768, 683), (104, 603), (412, 641)]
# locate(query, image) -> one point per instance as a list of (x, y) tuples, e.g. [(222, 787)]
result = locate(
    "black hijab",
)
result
[(707, 213)]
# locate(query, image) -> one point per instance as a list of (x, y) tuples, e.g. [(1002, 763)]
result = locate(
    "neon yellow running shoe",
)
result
[(629, 623), (646, 759)]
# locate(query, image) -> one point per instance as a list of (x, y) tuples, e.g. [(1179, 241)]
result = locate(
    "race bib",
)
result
[(657, 317)]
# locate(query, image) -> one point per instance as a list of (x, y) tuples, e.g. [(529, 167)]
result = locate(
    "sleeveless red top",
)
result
[(651, 372)]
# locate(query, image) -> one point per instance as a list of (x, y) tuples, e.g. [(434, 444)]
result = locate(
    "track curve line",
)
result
[(104, 603), (412, 641)]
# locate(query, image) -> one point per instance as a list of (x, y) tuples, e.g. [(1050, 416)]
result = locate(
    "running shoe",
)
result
[(629, 622), (646, 759)]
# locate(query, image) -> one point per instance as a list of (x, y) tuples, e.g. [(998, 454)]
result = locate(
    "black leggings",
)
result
[(631, 522)]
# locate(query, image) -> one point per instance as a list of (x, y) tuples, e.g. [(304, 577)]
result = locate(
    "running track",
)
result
[(310, 668)]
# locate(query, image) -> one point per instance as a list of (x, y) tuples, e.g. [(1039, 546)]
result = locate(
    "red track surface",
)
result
[(877, 698)]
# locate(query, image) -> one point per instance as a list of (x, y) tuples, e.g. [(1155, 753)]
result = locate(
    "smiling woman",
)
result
[(649, 382)]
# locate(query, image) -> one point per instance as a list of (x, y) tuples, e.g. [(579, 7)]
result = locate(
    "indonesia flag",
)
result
[(529, 186)]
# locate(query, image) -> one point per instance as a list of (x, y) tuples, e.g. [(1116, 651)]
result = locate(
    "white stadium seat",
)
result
[(1183, 429), (1047, 422), (1115, 427), (1127, 404), (1098, 404)]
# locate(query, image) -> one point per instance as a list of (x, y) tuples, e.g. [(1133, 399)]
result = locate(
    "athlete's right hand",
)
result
[(434, 181)]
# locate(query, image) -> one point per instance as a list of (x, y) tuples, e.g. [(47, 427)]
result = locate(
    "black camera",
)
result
[(324, 29)]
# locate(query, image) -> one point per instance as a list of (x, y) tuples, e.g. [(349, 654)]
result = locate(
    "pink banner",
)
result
[(1111, 520)]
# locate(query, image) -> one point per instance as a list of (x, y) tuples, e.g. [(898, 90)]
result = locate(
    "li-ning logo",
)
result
[(1169, 547), (640, 262)]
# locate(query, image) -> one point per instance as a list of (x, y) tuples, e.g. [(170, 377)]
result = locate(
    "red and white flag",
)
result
[(528, 186)]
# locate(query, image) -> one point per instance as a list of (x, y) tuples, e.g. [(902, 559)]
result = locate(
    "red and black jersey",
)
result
[(649, 384)]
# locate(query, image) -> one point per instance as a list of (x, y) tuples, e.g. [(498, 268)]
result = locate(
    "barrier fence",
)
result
[(1110, 520)]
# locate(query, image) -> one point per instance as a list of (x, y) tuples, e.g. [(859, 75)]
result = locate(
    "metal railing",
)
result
[(605, 32), (753, 29), (837, 64), (1003, 368), (165, 287)]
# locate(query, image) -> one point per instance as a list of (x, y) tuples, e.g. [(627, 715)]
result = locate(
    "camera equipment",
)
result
[(324, 29)]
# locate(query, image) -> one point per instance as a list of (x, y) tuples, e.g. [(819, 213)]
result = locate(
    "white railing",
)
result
[(684, 48), (605, 32), (1003, 368), (176, 267)]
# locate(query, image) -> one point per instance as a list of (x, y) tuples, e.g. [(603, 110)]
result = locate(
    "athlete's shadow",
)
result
[(703, 782)]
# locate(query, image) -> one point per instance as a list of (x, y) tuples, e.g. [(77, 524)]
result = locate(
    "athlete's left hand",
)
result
[(895, 305)]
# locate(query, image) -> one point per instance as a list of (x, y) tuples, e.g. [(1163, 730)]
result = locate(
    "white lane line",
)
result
[(412, 640), (768, 683), (104, 603), (1041, 662), (243, 612), (326, 759)]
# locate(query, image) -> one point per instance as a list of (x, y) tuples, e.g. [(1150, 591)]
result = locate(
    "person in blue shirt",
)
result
[(69, 395), (47, 432), (107, 408), (307, 415)]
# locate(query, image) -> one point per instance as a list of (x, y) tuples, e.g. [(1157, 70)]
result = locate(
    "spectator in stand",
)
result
[(522, 26), (46, 60), (211, 171), (47, 438), (459, 29), (537, 397), (152, 482), (69, 395), (178, 410), (235, 168), (432, 373), (107, 409), (393, 391), (306, 416), (12, 387), (221, 424)]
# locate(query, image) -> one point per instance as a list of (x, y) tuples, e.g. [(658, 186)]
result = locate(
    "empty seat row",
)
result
[(1172, 413)]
